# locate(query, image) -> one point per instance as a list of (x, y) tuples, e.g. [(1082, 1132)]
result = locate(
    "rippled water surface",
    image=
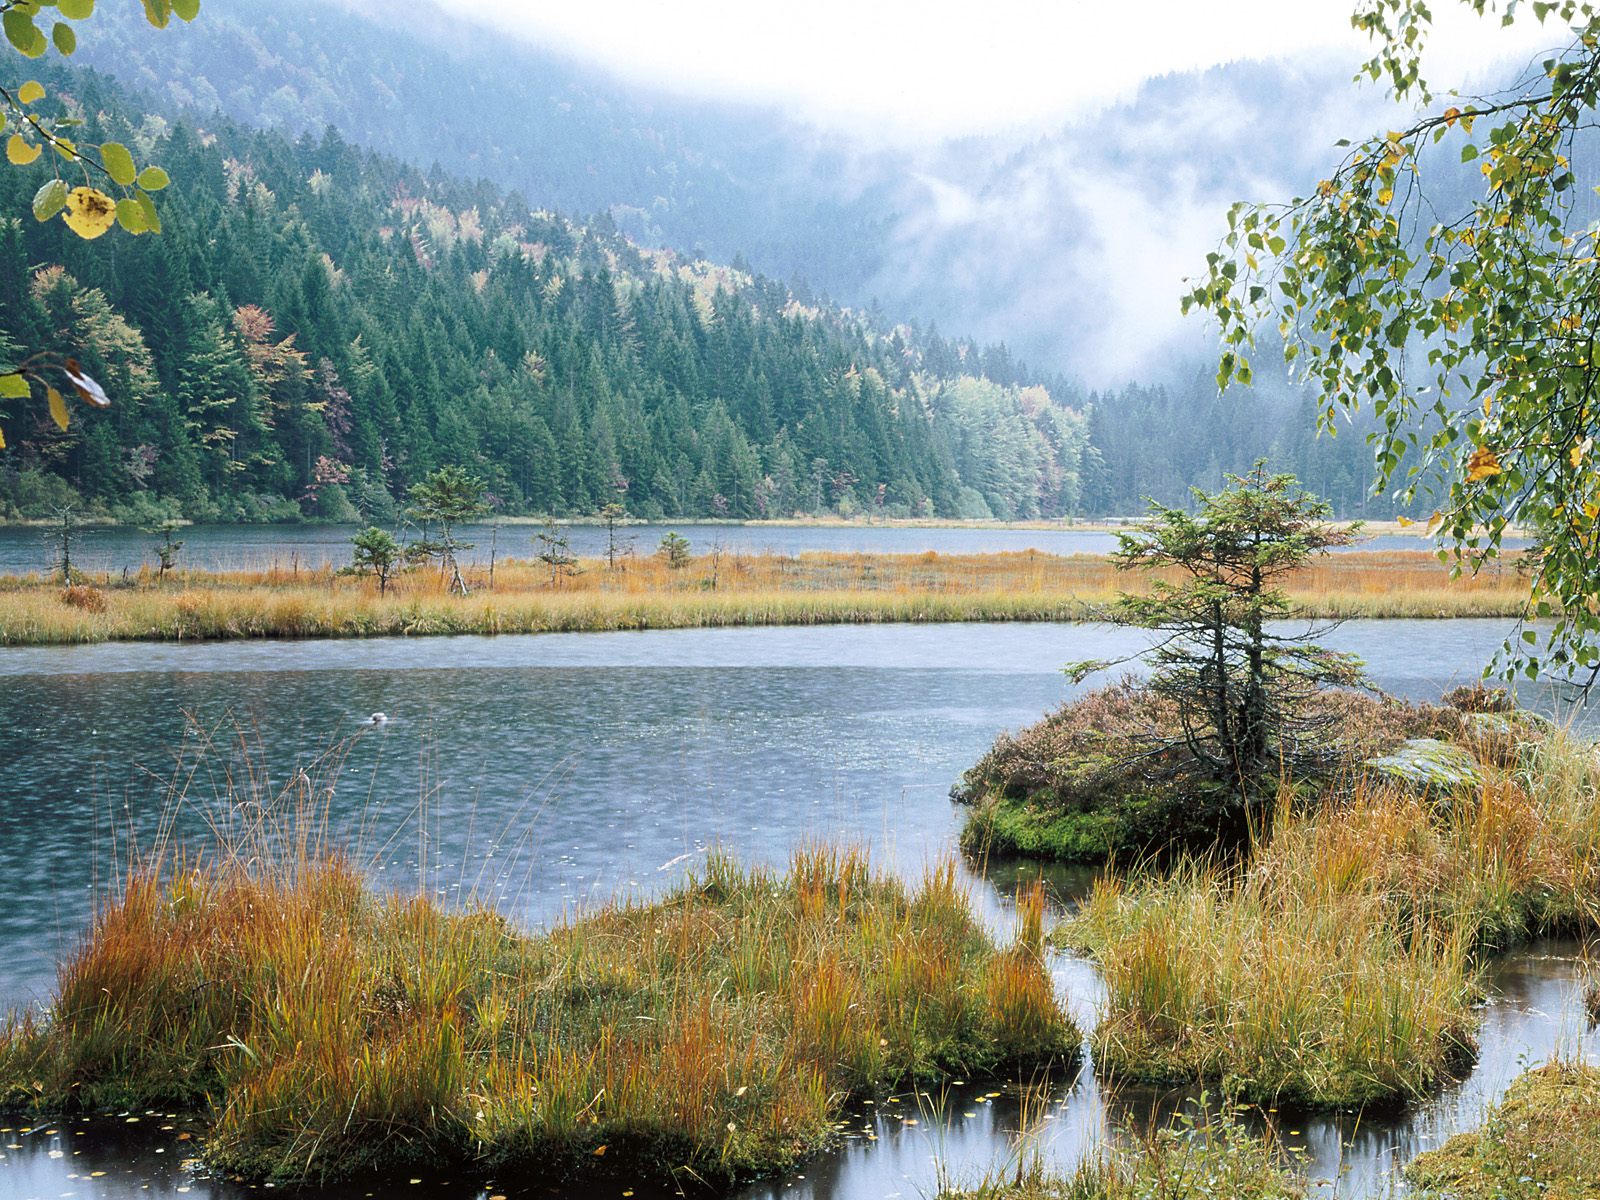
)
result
[(546, 772)]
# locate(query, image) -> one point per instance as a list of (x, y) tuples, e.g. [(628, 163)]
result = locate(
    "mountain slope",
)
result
[(320, 326)]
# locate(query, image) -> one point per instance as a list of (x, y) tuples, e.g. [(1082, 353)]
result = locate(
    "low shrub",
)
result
[(80, 596)]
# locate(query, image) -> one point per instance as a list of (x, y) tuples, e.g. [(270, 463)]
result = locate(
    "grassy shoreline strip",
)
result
[(723, 590), (328, 1031)]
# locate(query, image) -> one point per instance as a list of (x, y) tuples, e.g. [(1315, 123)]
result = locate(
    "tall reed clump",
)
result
[(328, 1030), (1339, 967)]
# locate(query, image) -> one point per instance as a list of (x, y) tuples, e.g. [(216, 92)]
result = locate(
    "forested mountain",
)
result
[(1066, 243), (319, 325)]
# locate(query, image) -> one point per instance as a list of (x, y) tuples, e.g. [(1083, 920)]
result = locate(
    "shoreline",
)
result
[(814, 588), (1099, 524)]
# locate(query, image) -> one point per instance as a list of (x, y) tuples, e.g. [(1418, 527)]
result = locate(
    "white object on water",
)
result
[(376, 719)]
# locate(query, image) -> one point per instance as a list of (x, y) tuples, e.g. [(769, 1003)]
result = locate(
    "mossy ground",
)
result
[(1541, 1142)]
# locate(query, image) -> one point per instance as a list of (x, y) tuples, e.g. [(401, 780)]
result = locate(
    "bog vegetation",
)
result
[(327, 1030), (672, 588)]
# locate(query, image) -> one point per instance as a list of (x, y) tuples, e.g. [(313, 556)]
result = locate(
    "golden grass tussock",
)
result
[(1339, 967), (326, 1030), (723, 589)]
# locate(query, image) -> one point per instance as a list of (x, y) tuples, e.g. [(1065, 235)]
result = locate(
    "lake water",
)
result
[(543, 773), (244, 547)]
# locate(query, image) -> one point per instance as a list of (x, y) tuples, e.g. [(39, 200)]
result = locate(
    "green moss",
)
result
[(1123, 827), (1542, 1140)]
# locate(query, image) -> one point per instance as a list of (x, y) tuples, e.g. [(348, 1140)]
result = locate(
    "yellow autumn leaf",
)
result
[(1484, 464), (58, 408), (90, 212), (1575, 455), (1488, 405), (20, 151), (30, 91), (2, 439)]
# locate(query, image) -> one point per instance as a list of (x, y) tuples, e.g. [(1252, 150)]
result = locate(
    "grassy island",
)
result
[(1331, 957), (712, 590), (325, 1031)]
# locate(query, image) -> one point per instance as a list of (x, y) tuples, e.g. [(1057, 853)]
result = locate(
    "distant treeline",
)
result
[(319, 326)]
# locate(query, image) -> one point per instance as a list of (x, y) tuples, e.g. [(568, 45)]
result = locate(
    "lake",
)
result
[(544, 773), (248, 547)]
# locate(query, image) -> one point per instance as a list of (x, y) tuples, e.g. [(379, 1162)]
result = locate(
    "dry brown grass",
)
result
[(732, 589)]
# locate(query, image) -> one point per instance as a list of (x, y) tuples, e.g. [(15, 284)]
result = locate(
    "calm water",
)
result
[(230, 547), (546, 772)]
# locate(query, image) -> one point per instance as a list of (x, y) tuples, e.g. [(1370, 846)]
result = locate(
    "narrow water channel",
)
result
[(545, 773)]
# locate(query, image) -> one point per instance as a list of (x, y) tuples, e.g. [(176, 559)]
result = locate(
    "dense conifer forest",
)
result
[(318, 326)]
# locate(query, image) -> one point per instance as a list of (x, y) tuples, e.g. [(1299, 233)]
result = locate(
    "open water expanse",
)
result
[(257, 547), (542, 773)]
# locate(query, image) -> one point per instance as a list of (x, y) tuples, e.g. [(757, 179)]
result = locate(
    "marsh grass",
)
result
[(324, 1029), (1339, 967), (736, 589)]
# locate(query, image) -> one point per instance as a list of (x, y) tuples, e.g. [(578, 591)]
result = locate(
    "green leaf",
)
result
[(118, 163), (65, 39), (49, 200), (130, 215), (158, 12), (153, 179), (152, 219), (76, 10), (187, 10), (23, 34), (14, 386)]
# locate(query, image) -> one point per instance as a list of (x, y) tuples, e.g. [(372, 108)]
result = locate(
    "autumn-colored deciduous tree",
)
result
[(1446, 275), (103, 185)]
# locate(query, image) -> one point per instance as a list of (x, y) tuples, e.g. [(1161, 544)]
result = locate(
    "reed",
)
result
[(1339, 967), (325, 1030), (727, 589)]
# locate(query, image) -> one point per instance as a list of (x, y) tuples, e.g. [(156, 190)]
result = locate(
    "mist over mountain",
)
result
[(1063, 251), (1069, 247)]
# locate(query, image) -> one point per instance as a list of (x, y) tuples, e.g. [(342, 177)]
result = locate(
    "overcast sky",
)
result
[(933, 68)]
